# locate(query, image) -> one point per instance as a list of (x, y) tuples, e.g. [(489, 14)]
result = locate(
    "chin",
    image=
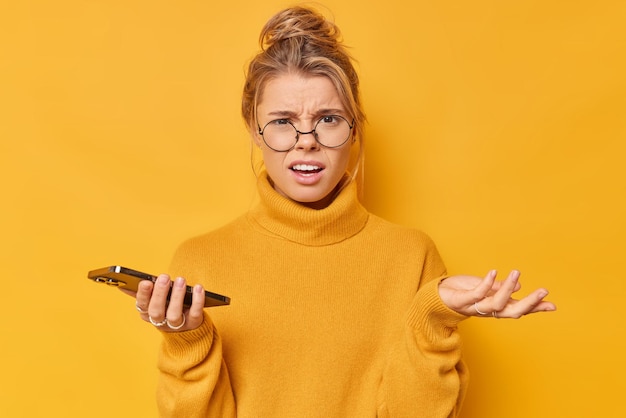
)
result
[(315, 196), (313, 200), (307, 198)]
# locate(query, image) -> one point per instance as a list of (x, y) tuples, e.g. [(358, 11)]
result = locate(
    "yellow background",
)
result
[(496, 126)]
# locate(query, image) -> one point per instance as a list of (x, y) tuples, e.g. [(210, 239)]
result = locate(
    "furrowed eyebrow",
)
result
[(319, 113), (330, 112), (282, 114)]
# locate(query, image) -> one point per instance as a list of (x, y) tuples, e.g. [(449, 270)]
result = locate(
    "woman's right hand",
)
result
[(153, 307)]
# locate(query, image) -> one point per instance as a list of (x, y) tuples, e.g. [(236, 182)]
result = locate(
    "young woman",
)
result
[(335, 312)]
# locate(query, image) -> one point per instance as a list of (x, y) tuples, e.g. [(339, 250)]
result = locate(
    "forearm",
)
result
[(193, 380), (425, 374)]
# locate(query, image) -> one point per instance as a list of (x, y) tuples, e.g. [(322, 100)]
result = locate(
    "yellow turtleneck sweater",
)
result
[(334, 313)]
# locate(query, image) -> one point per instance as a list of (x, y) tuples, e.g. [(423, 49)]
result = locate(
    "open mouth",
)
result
[(306, 169)]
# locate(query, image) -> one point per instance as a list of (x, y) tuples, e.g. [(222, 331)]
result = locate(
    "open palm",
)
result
[(476, 296)]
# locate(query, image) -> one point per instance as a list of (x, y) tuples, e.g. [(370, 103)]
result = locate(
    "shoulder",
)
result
[(389, 231), (408, 247), (195, 255), (231, 231)]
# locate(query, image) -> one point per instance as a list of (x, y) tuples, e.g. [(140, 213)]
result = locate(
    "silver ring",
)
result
[(478, 310), (141, 311), (177, 326), (157, 324)]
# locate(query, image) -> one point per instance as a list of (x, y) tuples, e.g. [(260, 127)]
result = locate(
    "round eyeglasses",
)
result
[(330, 131)]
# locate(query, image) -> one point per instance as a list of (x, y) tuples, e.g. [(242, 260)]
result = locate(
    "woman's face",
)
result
[(309, 172)]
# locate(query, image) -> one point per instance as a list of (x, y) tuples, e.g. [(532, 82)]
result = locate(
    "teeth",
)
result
[(305, 167)]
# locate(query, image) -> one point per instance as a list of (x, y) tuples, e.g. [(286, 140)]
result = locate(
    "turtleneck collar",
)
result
[(280, 216)]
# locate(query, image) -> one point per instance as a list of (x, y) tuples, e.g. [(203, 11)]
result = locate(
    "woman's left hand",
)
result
[(475, 296)]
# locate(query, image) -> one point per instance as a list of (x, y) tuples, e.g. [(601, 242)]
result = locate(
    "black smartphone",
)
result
[(122, 277)]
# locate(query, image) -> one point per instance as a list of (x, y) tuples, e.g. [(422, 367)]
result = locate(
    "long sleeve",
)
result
[(334, 313), (425, 375), (193, 380)]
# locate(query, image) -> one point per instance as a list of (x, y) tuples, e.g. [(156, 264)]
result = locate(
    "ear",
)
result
[(256, 138)]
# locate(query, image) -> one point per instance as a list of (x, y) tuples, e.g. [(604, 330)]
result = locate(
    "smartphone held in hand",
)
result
[(125, 278)]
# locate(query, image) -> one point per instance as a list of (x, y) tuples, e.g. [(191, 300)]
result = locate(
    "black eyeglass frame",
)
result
[(312, 131)]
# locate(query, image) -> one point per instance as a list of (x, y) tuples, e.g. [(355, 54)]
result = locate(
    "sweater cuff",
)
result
[(428, 308), (195, 340)]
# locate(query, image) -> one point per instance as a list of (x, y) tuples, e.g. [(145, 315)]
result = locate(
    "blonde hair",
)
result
[(300, 39)]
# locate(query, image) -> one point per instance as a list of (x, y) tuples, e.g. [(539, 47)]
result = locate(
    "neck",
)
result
[(324, 202), (330, 220)]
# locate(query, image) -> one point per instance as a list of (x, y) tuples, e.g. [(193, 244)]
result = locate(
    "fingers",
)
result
[(144, 292), (530, 304), (158, 300), (174, 313), (490, 287), (162, 304), (502, 305), (461, 292), (503, 295), (483, 288), (196, 310)]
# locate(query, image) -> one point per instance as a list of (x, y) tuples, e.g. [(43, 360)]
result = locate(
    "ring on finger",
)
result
[(157, 324), (478, 311), (177, 326), (141, 311)]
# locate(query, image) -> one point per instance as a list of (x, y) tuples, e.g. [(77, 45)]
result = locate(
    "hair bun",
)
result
[(301, 24)]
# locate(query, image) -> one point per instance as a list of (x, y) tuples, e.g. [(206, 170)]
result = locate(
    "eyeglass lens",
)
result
[(330, 131)]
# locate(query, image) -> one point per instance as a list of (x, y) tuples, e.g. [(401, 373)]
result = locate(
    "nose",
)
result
[(307, 140)]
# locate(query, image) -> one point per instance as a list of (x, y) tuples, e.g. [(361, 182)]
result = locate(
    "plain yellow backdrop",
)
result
[(498, 127)]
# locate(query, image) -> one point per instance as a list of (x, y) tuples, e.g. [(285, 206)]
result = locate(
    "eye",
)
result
[(278, 125), (330, 119)]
